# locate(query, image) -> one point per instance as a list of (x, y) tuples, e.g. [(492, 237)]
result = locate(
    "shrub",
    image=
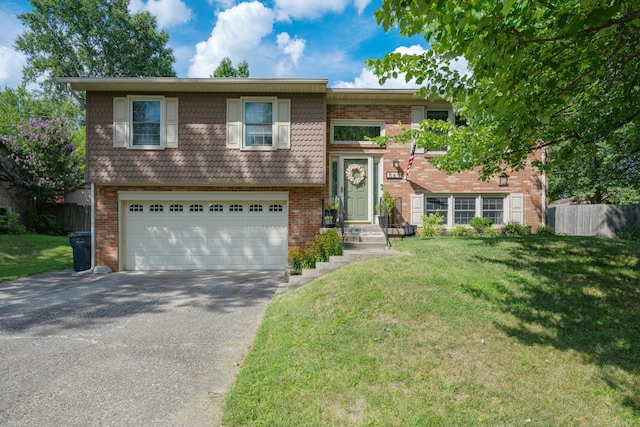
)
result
[(514, 229), (324, 245), (431, 231), (630, 232), (10, 224), (432, 225), (460, 231), (545, 230), (492, 232), (481, 224), (48, 224)]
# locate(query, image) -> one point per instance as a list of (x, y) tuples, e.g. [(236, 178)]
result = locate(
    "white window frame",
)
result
[(123, 122), (280, 123), (369, 123), (274, 113), (159, 100), (449, 221), (452, 119)]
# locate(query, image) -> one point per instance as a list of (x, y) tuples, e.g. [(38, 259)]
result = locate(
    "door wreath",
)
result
[(358, 170)]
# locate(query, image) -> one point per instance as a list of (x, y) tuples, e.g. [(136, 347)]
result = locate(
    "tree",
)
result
[(225, 69), (18, 104), (597, 175), (562, 74), (91, 38), (41, 160)]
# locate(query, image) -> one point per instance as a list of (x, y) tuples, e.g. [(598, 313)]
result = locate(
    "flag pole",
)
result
[(411, 156)]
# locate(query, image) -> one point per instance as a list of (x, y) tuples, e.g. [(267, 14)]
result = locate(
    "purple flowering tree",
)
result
[(39, 158)]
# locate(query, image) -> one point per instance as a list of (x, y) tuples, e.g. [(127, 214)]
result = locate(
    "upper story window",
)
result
[(345, 132), (445, 116), (259, 123), (145, 122)]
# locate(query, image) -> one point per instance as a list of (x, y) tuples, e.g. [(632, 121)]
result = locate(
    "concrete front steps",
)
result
[(361, 243)]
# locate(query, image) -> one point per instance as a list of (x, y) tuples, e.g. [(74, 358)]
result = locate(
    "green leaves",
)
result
[(91, 38), (226, 69), (560, 74)]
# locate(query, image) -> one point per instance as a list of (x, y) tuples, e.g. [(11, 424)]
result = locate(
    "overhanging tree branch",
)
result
[(610, 23)]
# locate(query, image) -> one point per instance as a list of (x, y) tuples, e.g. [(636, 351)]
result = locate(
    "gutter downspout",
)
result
[(544, 187), (93, 226)]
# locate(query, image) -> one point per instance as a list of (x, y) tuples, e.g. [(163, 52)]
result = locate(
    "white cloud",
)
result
[(236, 35), (167, 12), (311, 9), (283, 69), (361, 4), (367, 79), (11, 63), (225, 4), (293, 47)]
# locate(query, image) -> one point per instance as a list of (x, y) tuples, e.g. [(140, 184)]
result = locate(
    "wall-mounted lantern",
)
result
[(503, 180), (396, 163)]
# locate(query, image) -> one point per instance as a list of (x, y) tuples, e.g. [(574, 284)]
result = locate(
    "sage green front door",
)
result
[(356, 189)]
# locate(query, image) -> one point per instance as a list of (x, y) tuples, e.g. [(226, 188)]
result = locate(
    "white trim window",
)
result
[(258, 123), (145, 122), (436, 205), (445, 116), (461, 208), (354, 132), (493, 207)]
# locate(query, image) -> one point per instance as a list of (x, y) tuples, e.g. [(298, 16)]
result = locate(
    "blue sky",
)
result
[(278, 38)]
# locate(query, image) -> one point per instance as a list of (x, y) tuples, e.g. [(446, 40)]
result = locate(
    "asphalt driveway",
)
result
[(125, 349)]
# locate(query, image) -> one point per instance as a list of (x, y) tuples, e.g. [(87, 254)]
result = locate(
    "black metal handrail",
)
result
[(390, 217)]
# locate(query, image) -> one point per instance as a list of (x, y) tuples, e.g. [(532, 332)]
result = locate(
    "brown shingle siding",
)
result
[(202, 156)]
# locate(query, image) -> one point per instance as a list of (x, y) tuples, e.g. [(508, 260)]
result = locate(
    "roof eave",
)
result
[(173, 84)]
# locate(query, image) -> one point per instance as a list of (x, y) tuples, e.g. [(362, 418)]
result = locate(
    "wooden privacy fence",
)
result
[(593, 220), (75, 216)]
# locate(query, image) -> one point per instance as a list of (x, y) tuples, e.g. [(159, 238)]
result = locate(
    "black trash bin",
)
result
[(81, 244)]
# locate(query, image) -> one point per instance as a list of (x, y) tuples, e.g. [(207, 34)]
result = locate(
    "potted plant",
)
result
[(385, 211), (331, 211)]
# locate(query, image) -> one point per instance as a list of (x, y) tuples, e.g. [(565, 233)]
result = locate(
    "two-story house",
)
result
[(231, 173)]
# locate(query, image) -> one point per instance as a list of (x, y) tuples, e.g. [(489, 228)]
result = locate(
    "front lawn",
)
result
[(29, 254), (526, 331)]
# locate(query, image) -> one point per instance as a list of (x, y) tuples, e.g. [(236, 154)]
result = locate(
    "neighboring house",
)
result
[(230, 173)]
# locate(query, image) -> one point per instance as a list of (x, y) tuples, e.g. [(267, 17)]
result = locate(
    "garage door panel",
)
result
[(276, 260), (221, 235)]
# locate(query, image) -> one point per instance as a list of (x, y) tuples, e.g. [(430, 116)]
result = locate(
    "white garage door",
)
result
[(204, 234)]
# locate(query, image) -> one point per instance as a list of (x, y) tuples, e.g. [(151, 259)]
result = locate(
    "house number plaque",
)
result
[(394, 175)]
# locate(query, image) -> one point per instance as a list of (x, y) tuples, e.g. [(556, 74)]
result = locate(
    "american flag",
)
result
[(413, 151)]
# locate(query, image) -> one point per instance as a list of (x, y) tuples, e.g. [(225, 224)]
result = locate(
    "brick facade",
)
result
[(424, 178), (305, 214), (203, 162)]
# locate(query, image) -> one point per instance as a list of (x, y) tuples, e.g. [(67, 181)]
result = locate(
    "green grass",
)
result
[(529, 331), (29, 254)]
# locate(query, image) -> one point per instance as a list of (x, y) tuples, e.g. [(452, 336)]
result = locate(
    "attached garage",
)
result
[(203, 231)]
